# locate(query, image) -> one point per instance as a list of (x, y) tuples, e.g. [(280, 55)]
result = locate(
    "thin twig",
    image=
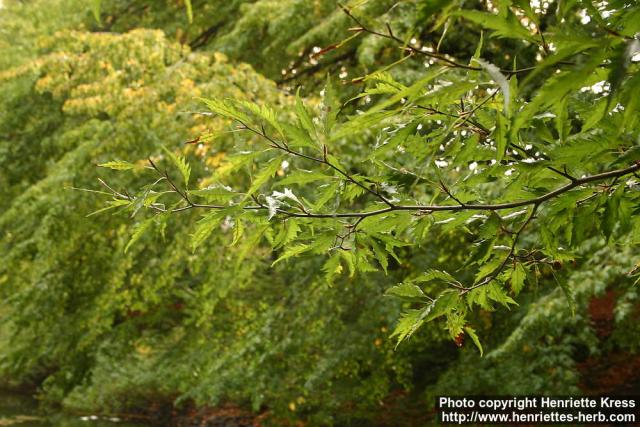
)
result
[(536, 201), (408, 46), (512, 250), (324, 161)]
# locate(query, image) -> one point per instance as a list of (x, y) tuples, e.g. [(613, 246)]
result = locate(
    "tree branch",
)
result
[(536, 201)]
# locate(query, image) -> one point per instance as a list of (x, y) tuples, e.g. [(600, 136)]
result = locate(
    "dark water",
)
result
[(19, 410)]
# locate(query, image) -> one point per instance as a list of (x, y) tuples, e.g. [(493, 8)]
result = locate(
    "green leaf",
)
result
[(518, 276), (505, 26), (292, 252), (478, 51), (290, 230), (205, 227), (330, 107), (297, 137), (486, 269), (407, 292), (112, 205), (187, 4), (568, 293), (555, 89), (497, 293), (479, 296), (96, 9), (304, 117), (138, 230), (411, 320), (380, 254), (302, 177), (474, 337), (332, 268), (350, 259), (238, 231), (117, 165), (267, 172), (180, 163), (611, 214), (563, 125), (215, 193), (330, 191), (443, 304), (226, 108), (409, 323), (249, 244), (433, 274), (500, 135), (265, 113)]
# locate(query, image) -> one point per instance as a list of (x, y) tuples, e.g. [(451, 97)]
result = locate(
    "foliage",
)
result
[(179, 227), (479, 147)]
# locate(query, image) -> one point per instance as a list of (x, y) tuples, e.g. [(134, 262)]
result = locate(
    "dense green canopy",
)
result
[(318, 212)]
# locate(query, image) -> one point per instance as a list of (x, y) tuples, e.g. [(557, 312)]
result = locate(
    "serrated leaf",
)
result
[(290, 230), (215, 192), (138, 230), (265, 113), (474, 337), (226, 108), (443, 304), (332, 268), (407, 292), (292, 252), (330, 107), (555, 89), (433, 274), (118, 165), (302, 177), (350, 259), (238, 231), (409, 322), (303, 116), (261, 178), (297, 137), (112, 205), (180, 163), (250, 243), (611, 213), (478, 51), (380, 254), (331, 191), (496, 293), (562, 120), (487, 268), (479, 296), (205, 227), (505, 26), (500, 135), (518, 276)]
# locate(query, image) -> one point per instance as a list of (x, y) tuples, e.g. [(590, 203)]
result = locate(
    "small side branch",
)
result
[(510, 254), (419, 209), (324, 161)]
